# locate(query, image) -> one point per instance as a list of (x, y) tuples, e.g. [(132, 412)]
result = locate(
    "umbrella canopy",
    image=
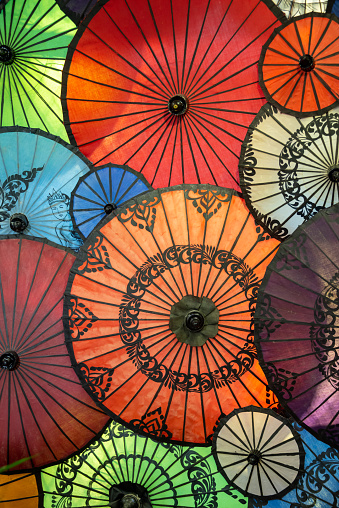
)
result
[(297, 324), (122, 469), (45, 414), (293, 8), (173, 110), (100, 191), (258, 451), (34, 36), (289, 168), (299, 65), (17, 490), (77, 10), (38, 172), (318, 484), (170, 284)]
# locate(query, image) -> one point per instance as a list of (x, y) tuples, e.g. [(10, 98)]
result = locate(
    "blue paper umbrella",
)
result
[(101, 191), (38, 172), (318, 485)]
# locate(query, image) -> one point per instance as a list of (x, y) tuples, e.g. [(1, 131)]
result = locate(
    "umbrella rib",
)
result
[(186, 396), (175, 45), (11, 38), (136, 50), (12, 83), (7, 341), (186, 41), (28, 451), (332, 473)]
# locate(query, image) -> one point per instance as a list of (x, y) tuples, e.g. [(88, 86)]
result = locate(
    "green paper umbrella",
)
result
[(124, 469), (34, 36)]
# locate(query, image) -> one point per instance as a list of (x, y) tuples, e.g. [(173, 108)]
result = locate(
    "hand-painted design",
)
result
[(208, 202), (313, 481), (234, 494), (98, 380), (283, 380), (97, 258), (153, 423), (141, 214), (269, 319), (11, 189), (118, 430), (203, 484), (262, 236), (80, 318), (291, 156), (64, 477), (324, 333), (130, 307), (68, 237), (294, 255)]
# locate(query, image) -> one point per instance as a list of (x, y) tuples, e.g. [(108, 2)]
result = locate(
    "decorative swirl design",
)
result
[(11, 189), (80, 318), (130, 306), (153, 423), (291, 156), (208, 202), (294, 254), (312, 484), (98, 380), (97, 257), (141, 214), (324, 333), (64, 478), (203, 484)]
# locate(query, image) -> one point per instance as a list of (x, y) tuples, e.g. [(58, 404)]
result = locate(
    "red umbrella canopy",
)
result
[(45, 414), (168, 87)]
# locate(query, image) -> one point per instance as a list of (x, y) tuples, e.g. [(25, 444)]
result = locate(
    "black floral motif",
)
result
[(283, 380), (312, 484), (129, 322), (80, 318), (153, 423), (295, 149), (141, 214), (98, 380), (64, 477), (203, 484), (269, 319), (208, 202), (97, 257), (324, 332), (11, 189), (293, 254)]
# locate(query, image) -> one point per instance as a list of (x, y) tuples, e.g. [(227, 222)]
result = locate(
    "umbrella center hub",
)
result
[(9, 360), (130, 501), (178, 105), (254, 457), (195, 321), (333, 173), (129, 495), (306, 63), (6, 54), (18, 222), (109, 208)]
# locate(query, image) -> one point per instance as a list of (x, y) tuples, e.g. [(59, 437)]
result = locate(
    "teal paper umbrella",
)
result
[(122, 469)]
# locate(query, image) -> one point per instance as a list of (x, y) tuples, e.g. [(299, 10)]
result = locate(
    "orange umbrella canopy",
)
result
[(159, 311), (18, 490), (299, 65)]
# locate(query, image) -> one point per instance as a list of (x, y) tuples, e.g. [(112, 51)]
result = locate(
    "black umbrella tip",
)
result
[(18, 222), (306, 63), (333, 173), (6, 54), (109, 208), (178, 105), (254, 457), (195, 321), (9, 360)]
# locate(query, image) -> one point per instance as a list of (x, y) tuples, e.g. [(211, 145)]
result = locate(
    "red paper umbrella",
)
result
[(169, 288), (167, 87), (45, 414), (299, 65)]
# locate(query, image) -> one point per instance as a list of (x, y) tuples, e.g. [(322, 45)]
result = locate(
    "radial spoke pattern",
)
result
[(171, 475), (99, 192), (297, 323), (34, 36), (289, 168), (38, 172), (167, 87), (157, 249), (299, 65), (45, 413), (258, 452)]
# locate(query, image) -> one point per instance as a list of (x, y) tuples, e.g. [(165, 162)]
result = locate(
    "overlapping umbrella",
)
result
[(170, 284), (299, 65), (34, 37), (168, 87), (17, 490), (293, 8), (297, 324), (37, 175), (101, 191), (77, 10), (289, 168), (45, 414)]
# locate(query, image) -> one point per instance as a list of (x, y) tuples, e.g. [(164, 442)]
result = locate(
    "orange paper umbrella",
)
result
[(19, 490), (299, 65), (159, 311)]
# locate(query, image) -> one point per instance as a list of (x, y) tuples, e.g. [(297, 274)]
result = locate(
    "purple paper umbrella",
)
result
[(297, 323), (77, 10)]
